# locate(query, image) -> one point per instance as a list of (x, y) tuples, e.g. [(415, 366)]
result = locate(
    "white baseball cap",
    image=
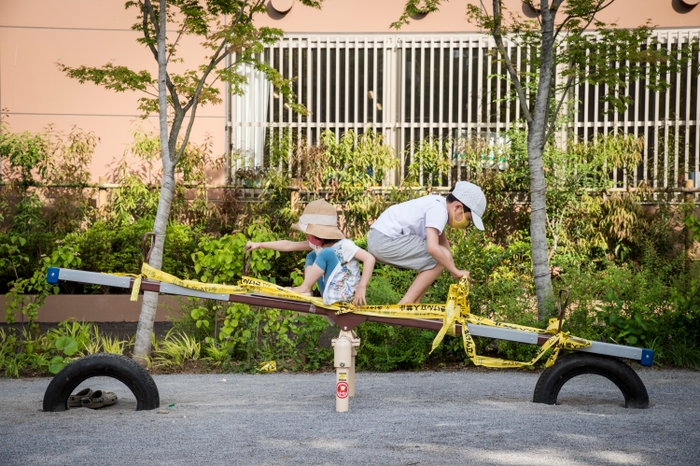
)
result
[(473, 197)]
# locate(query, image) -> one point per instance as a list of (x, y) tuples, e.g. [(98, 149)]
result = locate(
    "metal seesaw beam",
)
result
[(345, 321)]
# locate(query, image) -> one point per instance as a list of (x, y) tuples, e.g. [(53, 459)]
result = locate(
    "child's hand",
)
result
[(251, 246), (360, 299), (460, 273)]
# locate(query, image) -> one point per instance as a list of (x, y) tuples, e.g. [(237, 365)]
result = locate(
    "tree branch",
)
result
[(253, 8), (148, 11), (188, 130), (179, 35), (552, 124), (498, 37), (200, 85), (597, 10)]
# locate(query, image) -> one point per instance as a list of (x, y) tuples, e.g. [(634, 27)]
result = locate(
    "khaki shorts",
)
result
[(405, 251)]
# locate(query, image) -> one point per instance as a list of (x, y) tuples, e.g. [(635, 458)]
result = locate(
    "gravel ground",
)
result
[(472, 416)]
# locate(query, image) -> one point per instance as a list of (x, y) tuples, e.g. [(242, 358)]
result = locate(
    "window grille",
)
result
[(414, 87)]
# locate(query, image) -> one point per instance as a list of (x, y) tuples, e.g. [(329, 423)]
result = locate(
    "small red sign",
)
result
[(341, 390)]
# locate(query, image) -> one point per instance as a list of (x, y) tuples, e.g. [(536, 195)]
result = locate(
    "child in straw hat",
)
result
[(333, 260)]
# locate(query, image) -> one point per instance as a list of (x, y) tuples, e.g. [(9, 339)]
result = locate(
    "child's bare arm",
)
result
[(368, 261), (281, 245), (442, 255)]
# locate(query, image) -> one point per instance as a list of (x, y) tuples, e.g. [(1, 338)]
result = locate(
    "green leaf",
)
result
[(67, 344), (56, 364)]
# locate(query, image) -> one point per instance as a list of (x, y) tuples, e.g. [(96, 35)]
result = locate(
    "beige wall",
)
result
[(339, 16), (35, 34), (100, 308)]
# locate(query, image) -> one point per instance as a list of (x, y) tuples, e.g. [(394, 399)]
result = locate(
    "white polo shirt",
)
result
[(413, 217)]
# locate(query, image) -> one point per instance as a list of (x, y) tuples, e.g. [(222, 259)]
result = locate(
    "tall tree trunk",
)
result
[(535, 148), (144, 330), (538, 228)]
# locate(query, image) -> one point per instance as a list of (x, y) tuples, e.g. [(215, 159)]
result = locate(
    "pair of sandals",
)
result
[(86, 398)]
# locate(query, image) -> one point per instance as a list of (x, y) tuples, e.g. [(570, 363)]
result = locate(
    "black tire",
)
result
[(624, 377), (116, 366)]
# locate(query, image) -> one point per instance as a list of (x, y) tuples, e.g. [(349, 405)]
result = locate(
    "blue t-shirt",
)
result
[(327, 260), (341, 272)]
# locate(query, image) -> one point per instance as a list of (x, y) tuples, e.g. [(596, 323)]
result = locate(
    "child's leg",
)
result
[(423, 280), (311, 275), (421, 284), (317, 265)]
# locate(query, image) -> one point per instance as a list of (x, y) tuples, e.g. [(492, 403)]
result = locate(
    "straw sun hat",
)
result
[(320, 219)]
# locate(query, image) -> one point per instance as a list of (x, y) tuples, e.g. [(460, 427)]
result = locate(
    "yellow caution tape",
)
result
[(456, 307), (137, 284), (269, 366), (136, 288), (155, 274), (455, 310), (400, 311), (254, 285), (558, 341)]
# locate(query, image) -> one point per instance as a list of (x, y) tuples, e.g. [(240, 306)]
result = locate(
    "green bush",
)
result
[(27, 295), (110, 248), (386, 347), (47, 353), (242, 336), (629, 280), (21, 253)]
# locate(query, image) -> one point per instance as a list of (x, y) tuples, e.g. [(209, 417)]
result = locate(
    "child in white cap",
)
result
[(411, 235), (333, 260)]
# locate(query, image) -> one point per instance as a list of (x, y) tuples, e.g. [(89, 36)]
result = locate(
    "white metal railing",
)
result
[(409, 87)]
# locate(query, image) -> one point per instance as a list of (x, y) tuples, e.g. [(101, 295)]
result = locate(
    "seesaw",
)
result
[(453, 317)]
